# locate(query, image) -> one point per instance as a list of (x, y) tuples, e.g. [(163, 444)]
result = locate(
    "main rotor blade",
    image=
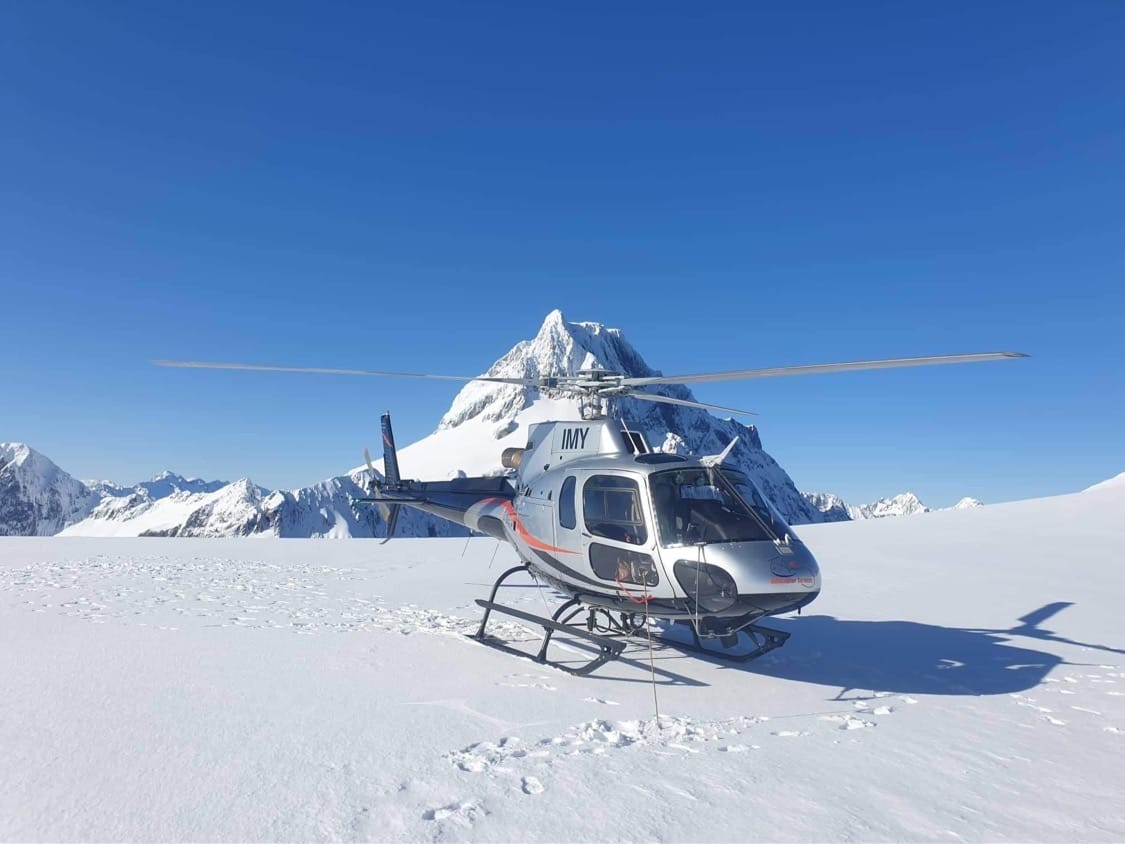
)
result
[(683, 402), (815, 369), (255, 367)]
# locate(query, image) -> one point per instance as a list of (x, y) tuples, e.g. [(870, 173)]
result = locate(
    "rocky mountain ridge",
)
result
[(37, 498), (835, 509)]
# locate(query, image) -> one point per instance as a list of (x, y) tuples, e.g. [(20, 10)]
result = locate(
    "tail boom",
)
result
[(475, 503)]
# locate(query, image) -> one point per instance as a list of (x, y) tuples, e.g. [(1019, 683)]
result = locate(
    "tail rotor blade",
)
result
[(391, 516)]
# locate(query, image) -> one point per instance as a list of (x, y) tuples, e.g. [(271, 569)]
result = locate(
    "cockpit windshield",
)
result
[(700, 504), (758, 502)]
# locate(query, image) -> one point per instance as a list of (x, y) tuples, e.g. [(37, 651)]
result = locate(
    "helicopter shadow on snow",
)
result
[(912, 657)]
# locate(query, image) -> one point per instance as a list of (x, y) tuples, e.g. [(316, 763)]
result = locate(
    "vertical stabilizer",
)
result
[(390, 456)]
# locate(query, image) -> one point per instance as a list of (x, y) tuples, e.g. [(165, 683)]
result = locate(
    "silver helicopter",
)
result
[(630, 536)]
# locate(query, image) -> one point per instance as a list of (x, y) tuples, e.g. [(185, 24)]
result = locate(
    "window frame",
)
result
[(568, 504), (620, 528)]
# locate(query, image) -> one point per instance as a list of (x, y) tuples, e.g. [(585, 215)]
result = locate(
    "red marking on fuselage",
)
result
[(533, 541)]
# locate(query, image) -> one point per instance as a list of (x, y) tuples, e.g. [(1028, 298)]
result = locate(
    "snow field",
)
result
[(961, 678)]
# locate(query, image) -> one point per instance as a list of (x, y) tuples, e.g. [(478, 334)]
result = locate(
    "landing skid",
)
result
[(601, 621), (765, 639), (607, 648)]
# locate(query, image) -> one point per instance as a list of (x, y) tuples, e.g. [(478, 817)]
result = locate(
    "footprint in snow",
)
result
[(601, 700), (465, 812), (679, 792), (528, 681), (847, 722), (547, 687)]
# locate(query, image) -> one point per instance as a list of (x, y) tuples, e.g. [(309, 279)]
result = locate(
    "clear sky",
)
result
[(414, 187)]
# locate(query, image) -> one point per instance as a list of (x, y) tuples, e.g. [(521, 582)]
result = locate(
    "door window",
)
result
[(611, 507), (567, 516), (622, 565)]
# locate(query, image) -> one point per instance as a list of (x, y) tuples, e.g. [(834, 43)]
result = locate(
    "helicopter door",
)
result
[(615, 531)]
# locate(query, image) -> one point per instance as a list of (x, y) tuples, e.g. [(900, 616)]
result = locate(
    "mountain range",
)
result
[(39, 498)]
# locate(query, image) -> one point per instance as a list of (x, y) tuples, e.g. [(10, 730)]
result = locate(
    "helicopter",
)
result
[(631, 537)]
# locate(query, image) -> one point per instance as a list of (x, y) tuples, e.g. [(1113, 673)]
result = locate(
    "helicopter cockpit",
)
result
[(701, 504)]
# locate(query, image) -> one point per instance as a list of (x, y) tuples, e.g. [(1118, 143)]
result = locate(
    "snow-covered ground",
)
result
[(962, 677)]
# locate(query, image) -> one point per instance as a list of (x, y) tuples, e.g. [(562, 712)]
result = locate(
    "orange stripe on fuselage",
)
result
[(533, 541)]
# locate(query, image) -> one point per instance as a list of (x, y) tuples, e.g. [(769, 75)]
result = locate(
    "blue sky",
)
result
[(415, 187)]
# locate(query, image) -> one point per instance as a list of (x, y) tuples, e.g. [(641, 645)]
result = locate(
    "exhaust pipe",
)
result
[(510, 458)]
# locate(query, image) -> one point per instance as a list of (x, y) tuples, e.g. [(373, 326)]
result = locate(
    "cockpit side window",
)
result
[(567, 517), (611, 507)]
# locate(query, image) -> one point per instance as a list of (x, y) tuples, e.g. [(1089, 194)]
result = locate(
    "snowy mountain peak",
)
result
[(904, 504), (17, 453), (831, 506), (37, 498), (559, 348), (485, 417), (968, 503), (168, 483)]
